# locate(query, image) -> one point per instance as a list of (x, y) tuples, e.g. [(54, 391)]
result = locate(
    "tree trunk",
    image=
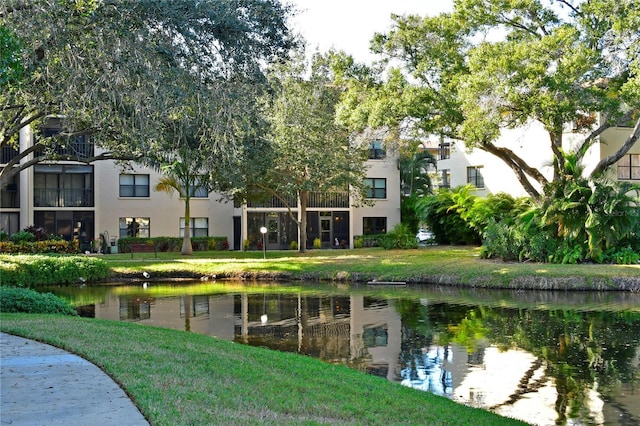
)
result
[(187, 248), (303, 196)]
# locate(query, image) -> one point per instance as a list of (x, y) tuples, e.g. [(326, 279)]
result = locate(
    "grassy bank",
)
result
[(180, 378), (436, 264)]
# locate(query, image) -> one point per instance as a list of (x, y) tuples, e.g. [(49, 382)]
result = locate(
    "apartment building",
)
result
[(458, 165), (83, 202)]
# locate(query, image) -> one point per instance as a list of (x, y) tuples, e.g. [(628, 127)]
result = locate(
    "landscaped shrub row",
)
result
[(14, 299), (46, 246), (34, 270), (174, 244)]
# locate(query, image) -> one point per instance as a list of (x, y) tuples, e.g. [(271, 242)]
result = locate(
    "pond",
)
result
[(547, 358)]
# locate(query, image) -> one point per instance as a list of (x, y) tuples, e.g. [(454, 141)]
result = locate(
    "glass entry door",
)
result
[(273, 232), (325, 229)]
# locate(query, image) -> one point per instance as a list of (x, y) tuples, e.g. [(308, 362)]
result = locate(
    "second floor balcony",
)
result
[(316, 200), (57, 197)]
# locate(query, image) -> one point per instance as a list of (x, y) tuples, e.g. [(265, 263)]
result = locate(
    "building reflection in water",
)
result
[(366, 333)]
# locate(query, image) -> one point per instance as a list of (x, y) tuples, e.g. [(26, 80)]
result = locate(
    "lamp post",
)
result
[(263, 231)]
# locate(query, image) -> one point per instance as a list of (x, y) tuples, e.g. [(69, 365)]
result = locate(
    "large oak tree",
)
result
[(499, 64), (124, 71)]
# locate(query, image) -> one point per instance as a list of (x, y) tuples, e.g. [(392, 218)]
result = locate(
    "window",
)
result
[(10, 222), (59, 185), (474, 176), (376, 188), (374, 225), (10, 196), (199, 226), (135, 227), (134, 185), (446, 178), (444, 149), (377, 150), (629, 167), (199, 192)]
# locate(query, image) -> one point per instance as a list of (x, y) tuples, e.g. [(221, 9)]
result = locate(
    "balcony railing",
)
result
[(80, 147), (63, 197), (329, 200), (7, 153), (274, 202), (316, 200)]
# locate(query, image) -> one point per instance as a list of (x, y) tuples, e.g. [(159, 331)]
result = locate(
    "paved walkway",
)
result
[(43, 385)]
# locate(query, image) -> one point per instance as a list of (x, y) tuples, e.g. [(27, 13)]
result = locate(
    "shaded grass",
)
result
[(179, 378), (437, 264)]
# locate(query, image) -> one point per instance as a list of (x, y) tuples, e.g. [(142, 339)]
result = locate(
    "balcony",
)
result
[(328, 200), (273, 202), (79, 147), (316, 200), (7, 153), (63, 197)]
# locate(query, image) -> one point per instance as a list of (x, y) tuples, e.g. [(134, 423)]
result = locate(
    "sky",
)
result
[(349, 25)]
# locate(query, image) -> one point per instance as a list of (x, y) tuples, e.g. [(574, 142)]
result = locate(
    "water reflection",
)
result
[(547, 358)]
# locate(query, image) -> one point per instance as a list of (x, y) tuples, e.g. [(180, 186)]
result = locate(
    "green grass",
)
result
[(180, 378), (436, 264)]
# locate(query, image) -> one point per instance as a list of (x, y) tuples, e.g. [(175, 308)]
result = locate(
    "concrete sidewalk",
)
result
[(43, 385)]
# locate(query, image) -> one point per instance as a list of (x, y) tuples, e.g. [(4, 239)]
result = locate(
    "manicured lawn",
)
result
[(435, 264), (180, 378)]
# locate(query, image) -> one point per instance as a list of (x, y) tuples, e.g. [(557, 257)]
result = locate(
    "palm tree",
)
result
[(414, 176), (414, 184), (179, 179)]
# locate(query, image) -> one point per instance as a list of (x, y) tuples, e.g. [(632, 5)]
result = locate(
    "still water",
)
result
[(549, 358)]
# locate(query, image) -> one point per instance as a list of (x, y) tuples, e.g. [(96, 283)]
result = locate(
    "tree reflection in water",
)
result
[(542, 357)]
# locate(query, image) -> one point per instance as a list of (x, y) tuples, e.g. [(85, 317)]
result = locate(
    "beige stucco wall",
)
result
[(163, 210), (532, 144), (388, 207)]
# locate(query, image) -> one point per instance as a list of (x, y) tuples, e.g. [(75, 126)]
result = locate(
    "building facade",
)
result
[(85, 202), (458, 166)]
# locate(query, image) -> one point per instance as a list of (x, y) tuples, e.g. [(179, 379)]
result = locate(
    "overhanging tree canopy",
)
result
[(496, 64), (116, 69)]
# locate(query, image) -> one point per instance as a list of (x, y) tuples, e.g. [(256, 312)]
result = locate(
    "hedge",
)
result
[(174, 244), (34, 270)]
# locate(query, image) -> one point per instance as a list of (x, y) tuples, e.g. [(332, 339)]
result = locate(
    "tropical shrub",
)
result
[(444, 214), (578, 221), (14, 299)]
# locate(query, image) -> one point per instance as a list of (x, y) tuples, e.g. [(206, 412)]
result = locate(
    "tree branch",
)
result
[(519, 166), (608, 161)]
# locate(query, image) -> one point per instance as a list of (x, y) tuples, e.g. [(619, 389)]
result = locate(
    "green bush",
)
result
[(400, 237), (39, 247), (13, 299), (22, 237), (293, 245), (34, 270)]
